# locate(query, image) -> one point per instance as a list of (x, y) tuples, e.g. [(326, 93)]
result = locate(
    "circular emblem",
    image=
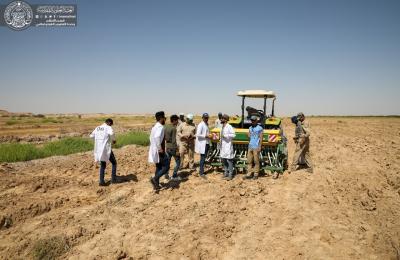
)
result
[(18, 15)]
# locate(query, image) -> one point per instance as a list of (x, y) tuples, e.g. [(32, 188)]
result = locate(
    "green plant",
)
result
[(67, 146), (16, 152), (11, 122), (138, 138), (50, 248), (50, 120)]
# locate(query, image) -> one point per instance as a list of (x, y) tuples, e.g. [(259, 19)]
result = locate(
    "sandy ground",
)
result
[(348, 209)]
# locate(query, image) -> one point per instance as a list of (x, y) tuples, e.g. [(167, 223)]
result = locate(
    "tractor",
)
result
[(273, 156)]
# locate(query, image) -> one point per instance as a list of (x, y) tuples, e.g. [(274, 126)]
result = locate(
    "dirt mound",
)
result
[(348, 209)]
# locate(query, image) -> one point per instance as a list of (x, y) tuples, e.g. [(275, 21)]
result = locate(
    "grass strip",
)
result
[(17, 152)]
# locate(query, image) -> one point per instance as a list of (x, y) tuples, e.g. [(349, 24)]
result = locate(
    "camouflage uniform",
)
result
[(302, 139), (186, 134)]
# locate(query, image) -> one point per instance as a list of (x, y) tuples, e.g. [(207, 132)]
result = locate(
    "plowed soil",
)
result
[(349, 208)]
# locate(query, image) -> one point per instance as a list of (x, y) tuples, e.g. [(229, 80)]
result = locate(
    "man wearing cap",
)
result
[(255, 135), (203, 142), (302, 139), (103, 137), (157, 150), (218, 123), (186, 133), (180, 121), (227, 153), (172, 147), (181, 118)]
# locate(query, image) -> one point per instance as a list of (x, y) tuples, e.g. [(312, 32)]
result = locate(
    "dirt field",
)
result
[(25, 127), (349, 208)]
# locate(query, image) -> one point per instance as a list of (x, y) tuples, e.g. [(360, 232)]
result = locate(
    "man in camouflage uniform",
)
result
[(302, 139), (186, 135)]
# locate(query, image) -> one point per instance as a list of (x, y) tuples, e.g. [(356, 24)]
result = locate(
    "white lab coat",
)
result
[(103, 136), (218, 123), (201, 141), (156, 139), (227, 135)]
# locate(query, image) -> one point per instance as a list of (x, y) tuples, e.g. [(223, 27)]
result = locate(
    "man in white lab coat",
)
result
[(157, 150), (218, 123), (202, 142), (227, 153), (103, 137)]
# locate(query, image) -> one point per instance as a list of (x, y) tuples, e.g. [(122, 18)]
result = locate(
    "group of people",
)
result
[(181, 137)]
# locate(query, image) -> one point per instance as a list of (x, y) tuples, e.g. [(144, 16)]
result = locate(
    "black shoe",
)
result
[(255, 177), (229, 178), (102, 184), (177, 178), (246, 177), (114, 181), (156, 186)]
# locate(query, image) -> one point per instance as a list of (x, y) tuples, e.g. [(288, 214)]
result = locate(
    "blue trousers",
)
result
[(203, 159), (228, 166), (173, 154), (113, 171), (161, 167)]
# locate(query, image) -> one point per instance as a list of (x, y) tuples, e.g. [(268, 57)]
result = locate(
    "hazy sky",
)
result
[(321, 57)]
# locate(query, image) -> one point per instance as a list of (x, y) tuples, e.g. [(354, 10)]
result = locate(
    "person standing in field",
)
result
[(103, 139), (180, 121), (157, 150), (172, 147), (255, 135), (202, 142), (218, 123), (227, 153), (302, 139), (181, 118), (186, 133)]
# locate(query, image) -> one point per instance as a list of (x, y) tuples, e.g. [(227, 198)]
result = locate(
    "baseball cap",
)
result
[(189, 116), (253, 118), (205, 115), (300, 114)]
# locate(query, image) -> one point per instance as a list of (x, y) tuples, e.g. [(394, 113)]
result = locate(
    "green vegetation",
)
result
[(50, 248), (16, 152), (51, 120), (139, 138), (33, 120), (11, 122), (67, 146)]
